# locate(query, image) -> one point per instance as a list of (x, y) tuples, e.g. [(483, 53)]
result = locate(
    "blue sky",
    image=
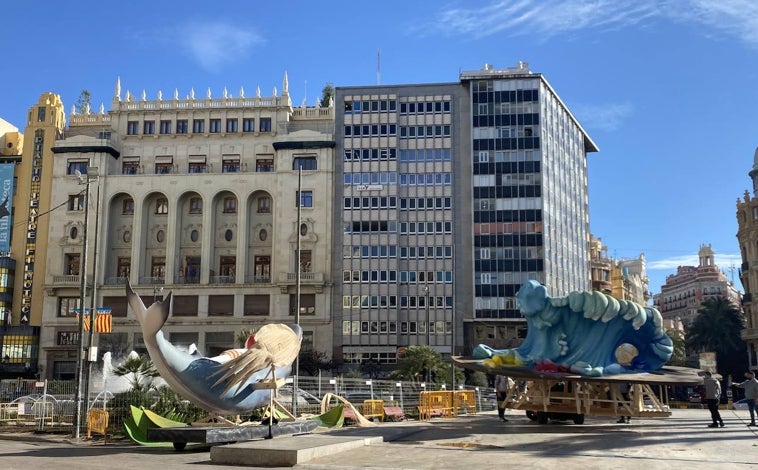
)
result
[(666, 88)]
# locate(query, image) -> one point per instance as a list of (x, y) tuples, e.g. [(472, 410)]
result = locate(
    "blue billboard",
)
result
[(6, 205)]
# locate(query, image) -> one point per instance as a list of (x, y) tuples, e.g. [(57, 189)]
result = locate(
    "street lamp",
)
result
[(91, 176), (428, 340)]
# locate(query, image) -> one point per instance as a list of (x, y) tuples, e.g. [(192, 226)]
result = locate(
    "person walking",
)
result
[(503, 386), (623, 390), (712, 397), (751, 393)]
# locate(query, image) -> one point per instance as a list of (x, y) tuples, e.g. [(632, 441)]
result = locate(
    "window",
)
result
[(132, 128), (195, 205), (214, 126), (130, 168), (161, 206), (230, 205), (248, 125), (264, 205), (264, 165), (306, 198), (165, 127), (74, 166), (181, 126), (158, 268), (265, 125), (76, 202), (163, 168), (124, 267), (262, 269), (148, 127), (230, 166), (231, 125), (227, 267), (304, 163), (67, 305), (197, 167), (198, 126), (72, 264), (305, 261), (127, 207)]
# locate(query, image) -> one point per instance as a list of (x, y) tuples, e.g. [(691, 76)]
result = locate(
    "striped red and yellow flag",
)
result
[(86, 321), (104, 322)]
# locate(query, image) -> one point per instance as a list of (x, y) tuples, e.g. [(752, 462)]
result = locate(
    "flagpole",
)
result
[(82, 300), (93, 302)]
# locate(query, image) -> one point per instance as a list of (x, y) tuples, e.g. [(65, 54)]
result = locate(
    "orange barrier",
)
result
[(373, 409), (97, 421), (464, 400), (435, 404)]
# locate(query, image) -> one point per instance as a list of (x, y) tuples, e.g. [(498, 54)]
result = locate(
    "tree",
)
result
[(326, 95), (83, 103), (312, 361), (717, 329), (679, 357), (420, 362), (139, 371)]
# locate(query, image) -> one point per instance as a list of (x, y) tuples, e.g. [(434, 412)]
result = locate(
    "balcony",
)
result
[(115, 281), (67, 280), (309, 278), (257, 279), (151, 280), (222, 280), (187, 280)]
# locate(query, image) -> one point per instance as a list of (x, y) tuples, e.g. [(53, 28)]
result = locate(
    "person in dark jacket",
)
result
[(712, 396)]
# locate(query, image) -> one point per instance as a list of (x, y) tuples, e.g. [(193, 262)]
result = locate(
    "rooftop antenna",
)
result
[(378, 67)]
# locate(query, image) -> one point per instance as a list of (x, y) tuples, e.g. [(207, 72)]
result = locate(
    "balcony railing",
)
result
[(114, 281), (187, 280), (257, 279), (67, 279), (151, 280), (222, 280), (305, 278)]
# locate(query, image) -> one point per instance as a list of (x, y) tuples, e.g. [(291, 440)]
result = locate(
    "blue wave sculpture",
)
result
[(587, 333)]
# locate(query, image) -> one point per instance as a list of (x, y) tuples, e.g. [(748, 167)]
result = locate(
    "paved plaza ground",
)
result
[(680, 442)]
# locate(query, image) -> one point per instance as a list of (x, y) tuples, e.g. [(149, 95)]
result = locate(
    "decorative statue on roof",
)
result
[(586, 333)]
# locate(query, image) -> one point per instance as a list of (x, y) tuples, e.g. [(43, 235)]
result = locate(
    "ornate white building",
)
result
[(684, 292), (198, 196)]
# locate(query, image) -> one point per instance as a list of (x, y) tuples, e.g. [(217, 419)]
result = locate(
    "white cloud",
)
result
[(723, 261), (606, 117), (210, 43), (548, 18)]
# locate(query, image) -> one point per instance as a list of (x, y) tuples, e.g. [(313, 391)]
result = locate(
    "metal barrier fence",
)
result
[(51, 405)]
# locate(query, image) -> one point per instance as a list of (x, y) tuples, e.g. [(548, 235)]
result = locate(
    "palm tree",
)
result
[(139, 371), (717, 329)]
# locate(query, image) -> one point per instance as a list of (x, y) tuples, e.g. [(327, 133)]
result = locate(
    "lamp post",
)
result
[(297, 287), (428, 338), (85, 180), (93, 173)]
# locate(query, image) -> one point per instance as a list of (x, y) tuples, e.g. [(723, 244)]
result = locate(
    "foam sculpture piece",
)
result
[(586, 333), (227, 384)]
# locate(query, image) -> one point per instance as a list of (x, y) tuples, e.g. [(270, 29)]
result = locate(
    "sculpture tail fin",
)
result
[(151, 318)]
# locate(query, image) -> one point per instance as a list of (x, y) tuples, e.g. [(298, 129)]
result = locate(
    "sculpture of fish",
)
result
[(225, 384)]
